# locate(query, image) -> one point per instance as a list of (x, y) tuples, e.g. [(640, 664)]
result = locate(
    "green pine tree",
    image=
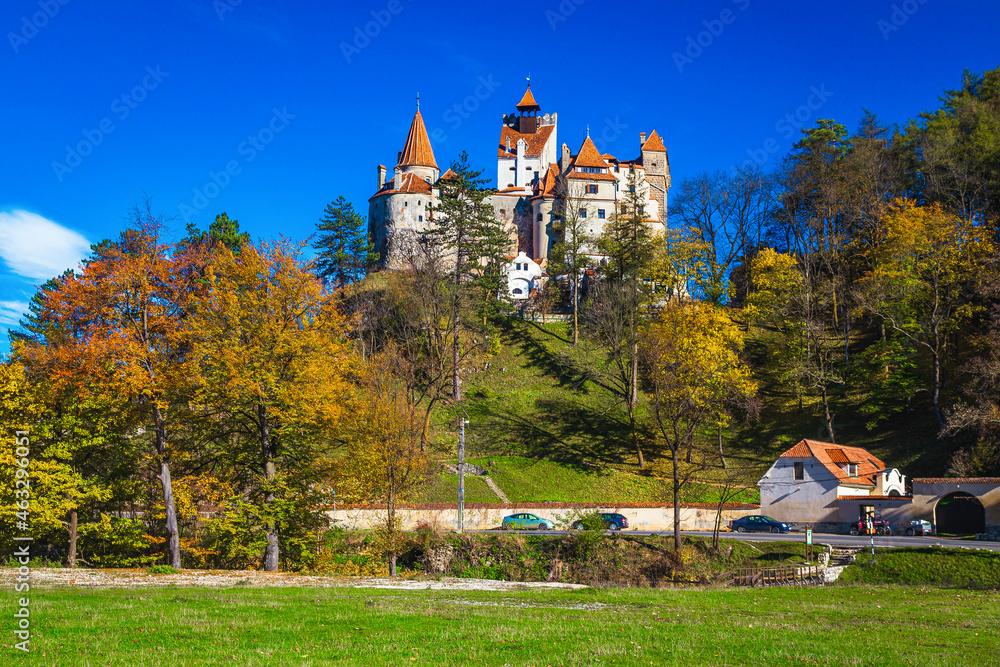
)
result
[(343, 249)]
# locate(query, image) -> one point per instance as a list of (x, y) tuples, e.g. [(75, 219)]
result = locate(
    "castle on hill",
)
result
[(536, 178)]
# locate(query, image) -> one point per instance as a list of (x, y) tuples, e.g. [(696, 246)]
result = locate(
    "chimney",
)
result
[(399, 157), (397, 179), (642, 139), (564, 159), (381, 177)]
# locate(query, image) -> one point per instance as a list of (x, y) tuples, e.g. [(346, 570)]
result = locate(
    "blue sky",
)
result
[(269, 110)]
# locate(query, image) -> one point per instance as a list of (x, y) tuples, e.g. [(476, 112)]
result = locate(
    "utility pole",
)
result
[(462, 421)]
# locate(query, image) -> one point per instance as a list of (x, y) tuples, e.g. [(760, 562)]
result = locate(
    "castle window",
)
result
[(517, 290), (600, 214), (592, 189), (420, 218), (528, 168), (503, 211), (583, 213), (406, 203), (800, 473), (539, 217)]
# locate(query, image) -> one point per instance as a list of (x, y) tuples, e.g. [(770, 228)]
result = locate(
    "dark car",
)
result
[(612, 521), (764, 524)]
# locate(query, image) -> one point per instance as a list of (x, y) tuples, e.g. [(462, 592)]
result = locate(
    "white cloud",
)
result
[(11, 312), (37, 248)]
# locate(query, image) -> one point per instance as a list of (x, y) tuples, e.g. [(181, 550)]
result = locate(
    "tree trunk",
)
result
[(722, 455), (272, 550), (455, 314), (71, 557), (173, 535), (576, 308), (936, 390), (677, 499), (828, 417), (633, 402)]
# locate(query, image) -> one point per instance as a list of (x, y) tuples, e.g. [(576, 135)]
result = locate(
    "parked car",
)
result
[(758, 524), (916, 527), (612, 521), (526, 521), (878, 525)]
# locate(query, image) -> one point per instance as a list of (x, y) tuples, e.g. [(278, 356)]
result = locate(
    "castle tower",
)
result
[(656, 166), (527, 145), (400, 209)]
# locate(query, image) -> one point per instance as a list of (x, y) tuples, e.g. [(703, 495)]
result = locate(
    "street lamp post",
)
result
[(462, 421)]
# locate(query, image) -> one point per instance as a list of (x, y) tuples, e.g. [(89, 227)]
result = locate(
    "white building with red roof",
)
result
[(807, 482)]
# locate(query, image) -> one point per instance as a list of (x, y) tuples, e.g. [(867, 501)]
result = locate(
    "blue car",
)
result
[(758, 524), (526, 521)]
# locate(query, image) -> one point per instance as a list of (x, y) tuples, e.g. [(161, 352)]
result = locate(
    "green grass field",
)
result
[(840, 625)]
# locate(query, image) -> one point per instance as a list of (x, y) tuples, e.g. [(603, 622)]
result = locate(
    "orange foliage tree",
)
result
[(123, 314), (269, 361)]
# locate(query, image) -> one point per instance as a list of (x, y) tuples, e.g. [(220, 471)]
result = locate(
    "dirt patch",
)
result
[(83, 578)]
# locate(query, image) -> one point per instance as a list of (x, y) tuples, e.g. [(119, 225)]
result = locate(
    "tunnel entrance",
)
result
[(960, 513)]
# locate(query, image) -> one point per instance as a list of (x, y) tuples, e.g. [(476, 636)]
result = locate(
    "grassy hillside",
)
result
[(556, 432)]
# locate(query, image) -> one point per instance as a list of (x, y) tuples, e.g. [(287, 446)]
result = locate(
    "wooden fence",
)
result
[(788, 575)]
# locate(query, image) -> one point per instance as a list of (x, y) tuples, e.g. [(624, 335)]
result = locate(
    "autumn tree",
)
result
[(952, 153), (383, 462), (925, 272), (269, 358), (728, 213), (698, 381), (465, 232), (573, 252), (618, 301), (125, 310), (343, 249)]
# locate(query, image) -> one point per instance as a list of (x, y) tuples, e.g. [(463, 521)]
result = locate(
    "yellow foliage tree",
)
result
[(384, 462), (925, 269), (698, 380), (269, 361), (33, 505)]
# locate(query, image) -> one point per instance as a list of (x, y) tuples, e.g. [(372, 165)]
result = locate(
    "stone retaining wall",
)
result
[(482, 516)]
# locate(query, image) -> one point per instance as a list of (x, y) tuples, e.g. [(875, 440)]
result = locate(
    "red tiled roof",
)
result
[(824, 452), (594, 177), (839, 456), (654, 143), (528, 102), (956, 480), (902, 499), (417, 151), (411, 184), (448, 175), (535, 142), (589, 156)]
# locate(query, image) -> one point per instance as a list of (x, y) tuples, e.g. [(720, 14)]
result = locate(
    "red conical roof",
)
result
[(528, 102), (417, 151), (589, 156)]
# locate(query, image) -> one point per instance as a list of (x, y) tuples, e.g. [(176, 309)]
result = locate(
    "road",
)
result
[(818, 538)]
